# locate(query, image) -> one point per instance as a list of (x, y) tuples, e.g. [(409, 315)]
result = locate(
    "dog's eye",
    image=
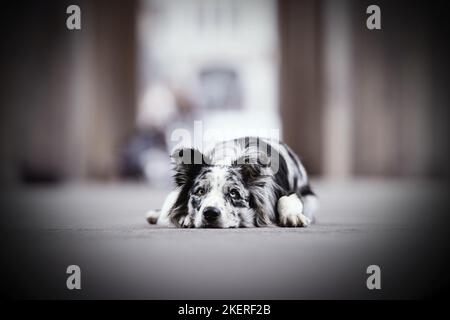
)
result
[(234, 194), (199, 192)]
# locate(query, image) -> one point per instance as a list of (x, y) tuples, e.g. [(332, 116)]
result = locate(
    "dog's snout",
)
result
[(211, 213)]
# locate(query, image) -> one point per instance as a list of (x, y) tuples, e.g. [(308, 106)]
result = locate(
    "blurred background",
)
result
[(101, 103)]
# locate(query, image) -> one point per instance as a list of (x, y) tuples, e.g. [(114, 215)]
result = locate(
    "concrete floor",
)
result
[(102, 229)]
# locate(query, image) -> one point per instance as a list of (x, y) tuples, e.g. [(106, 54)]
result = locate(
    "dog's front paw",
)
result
[(186, 222), (294, 220), (290, 211)]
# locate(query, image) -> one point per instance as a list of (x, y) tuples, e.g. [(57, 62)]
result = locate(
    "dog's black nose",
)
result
[(211, 213)]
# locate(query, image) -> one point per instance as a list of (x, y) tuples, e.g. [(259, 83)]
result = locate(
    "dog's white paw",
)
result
[(185, 222), (290, 211)]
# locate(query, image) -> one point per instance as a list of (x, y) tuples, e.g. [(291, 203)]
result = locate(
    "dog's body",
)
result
[(246, 182)]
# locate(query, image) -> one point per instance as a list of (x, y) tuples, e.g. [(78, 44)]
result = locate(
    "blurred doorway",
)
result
[(217, 60)]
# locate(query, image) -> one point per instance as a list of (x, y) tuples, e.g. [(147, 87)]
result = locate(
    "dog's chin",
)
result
[(215, 225), (211, 225)]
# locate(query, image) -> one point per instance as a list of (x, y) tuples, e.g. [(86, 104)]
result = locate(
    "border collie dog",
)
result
[(246, 182)]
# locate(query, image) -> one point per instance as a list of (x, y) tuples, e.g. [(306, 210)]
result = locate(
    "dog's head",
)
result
[(211, 195)]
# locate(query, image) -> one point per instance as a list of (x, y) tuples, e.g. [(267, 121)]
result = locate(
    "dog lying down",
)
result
[(246, 182)]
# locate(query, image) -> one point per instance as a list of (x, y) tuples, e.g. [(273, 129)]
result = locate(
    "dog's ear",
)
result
[(188, 162), (251, 169), (250, 173), (252, 165)]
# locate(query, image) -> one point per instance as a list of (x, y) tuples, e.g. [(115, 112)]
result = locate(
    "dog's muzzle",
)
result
[(211, 217)]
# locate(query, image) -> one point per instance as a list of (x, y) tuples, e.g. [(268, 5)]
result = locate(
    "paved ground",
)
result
[(102, 229)]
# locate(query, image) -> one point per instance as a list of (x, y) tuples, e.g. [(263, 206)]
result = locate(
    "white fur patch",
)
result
[(290, 210)]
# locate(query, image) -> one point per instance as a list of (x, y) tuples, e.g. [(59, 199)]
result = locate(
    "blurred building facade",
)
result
[(350, 101)]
